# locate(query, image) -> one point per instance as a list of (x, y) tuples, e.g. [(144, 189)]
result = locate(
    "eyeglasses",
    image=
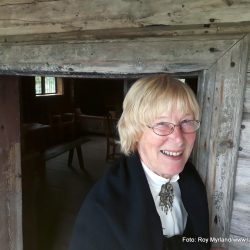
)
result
[(167, 128)]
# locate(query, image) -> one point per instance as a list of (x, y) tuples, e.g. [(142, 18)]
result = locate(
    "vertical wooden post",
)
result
[(222, 107), (10, 165), (206, 85)]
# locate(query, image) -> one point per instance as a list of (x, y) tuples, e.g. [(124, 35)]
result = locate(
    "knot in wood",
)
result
[(227, 143), (213, 49), (232, 64)]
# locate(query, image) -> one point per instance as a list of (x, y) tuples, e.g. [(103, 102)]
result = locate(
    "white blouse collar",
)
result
[(155, 179)]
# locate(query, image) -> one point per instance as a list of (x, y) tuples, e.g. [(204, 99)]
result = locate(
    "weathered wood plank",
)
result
[(244, 139), (242, 189), (10, 164), (49, 16), (228, 30), (15, 2), (205, 98), (243, 168), (240, 219), (241, 212), (116, 34), (242, 181), (247, 98), (114, 56), (247, 106), (225, 133), (238, 243), (248, 70)]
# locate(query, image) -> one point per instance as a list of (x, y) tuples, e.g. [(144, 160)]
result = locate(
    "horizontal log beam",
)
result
[(19, 17), (120, 56), (229, 31)]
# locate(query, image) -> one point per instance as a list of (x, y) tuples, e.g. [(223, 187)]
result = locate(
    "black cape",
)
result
[(119, 212)]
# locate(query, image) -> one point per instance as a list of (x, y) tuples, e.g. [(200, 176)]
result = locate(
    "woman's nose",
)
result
[(177, 134)]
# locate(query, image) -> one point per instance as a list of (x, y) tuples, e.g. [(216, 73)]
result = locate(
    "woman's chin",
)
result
[(171, 170)]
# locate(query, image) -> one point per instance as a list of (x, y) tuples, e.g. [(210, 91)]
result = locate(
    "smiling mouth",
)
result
[(171, 153)]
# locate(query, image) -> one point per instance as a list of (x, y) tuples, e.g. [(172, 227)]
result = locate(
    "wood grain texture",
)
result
[(241, 205), (50, 16), (120, 56), (230, 79), (238, 243), (240, 219), (10, 164), (242, 183), (247, 99), (205, 98), (228, 30)]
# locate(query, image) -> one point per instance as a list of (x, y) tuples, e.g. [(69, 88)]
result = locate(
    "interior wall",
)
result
[(39, 109), (92, 96), (96, 96)]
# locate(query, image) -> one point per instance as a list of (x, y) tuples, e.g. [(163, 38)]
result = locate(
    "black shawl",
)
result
[(119, 212)]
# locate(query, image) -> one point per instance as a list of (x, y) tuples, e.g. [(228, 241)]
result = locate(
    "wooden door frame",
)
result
[(222, 63), (221, 98), (10, 164)]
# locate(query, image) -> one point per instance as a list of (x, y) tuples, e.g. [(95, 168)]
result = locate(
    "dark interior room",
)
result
[(68, 141)]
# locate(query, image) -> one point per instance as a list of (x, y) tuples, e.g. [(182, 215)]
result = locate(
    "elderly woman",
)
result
[(152, 198)]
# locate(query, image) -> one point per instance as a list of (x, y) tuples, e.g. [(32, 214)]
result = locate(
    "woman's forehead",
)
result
[(171, 112), (175, 115), (174, 108)]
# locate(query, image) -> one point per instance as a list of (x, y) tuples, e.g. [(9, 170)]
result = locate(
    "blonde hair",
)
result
[(146, 100)]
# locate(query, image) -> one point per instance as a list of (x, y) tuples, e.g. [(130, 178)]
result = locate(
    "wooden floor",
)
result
[(64, 191)]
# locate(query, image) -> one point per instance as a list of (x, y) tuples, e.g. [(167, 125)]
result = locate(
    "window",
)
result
[(182, 80), (48, 85)]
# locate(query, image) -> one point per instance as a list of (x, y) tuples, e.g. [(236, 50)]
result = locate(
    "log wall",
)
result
[(115, 56), (240, 223), (20, 17), (221, 90)]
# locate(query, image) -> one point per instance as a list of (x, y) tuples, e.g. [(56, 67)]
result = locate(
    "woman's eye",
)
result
[(185, 121), (161, 124), (166, 126)]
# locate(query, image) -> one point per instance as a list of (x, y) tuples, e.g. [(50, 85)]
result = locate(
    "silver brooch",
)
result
[(166, 197)]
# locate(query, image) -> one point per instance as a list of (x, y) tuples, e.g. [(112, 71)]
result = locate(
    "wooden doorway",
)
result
[(221, 63)]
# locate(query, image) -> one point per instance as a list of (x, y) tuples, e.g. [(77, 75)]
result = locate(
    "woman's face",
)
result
[(166, 155)]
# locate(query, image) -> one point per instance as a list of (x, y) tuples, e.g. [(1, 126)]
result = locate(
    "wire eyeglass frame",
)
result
[(194, 126)]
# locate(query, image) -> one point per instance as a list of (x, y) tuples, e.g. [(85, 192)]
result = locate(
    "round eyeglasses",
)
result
[(167, 128)]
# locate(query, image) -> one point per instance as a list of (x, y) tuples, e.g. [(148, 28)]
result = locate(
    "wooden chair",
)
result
[(112, 137)]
